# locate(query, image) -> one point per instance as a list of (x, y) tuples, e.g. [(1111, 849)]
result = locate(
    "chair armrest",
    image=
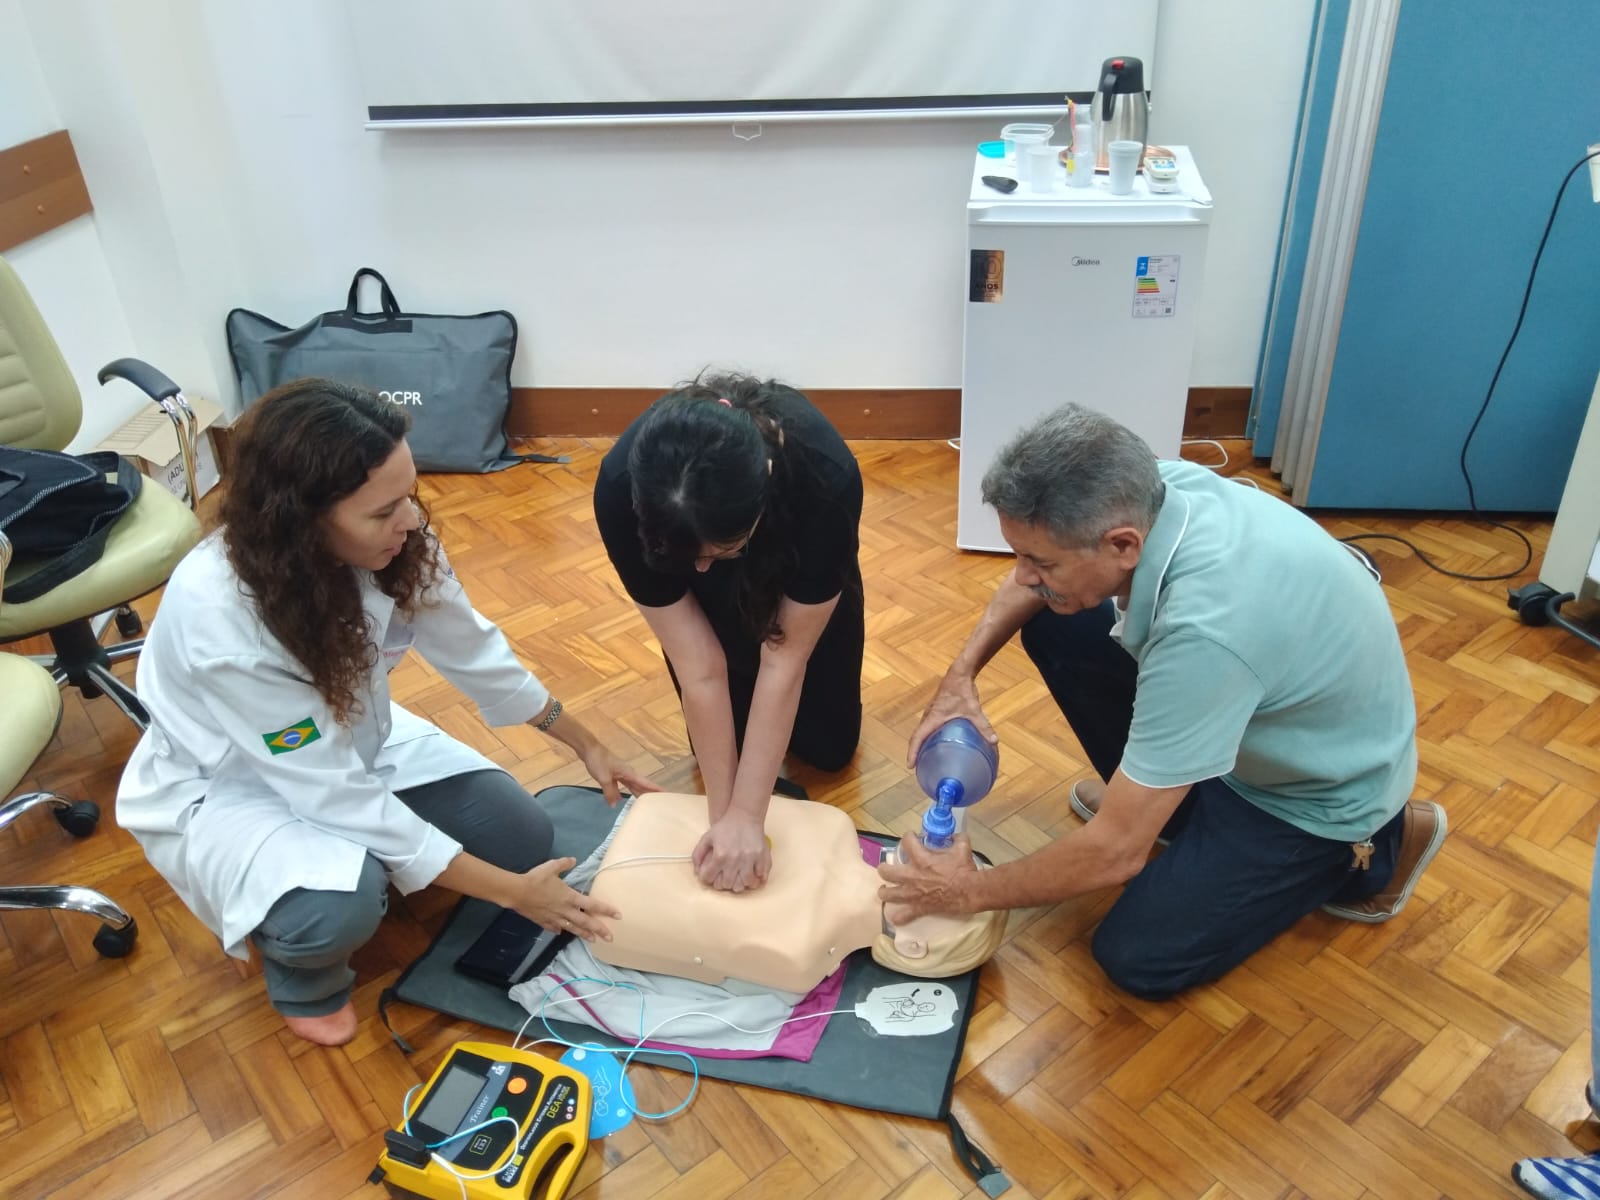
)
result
[(169, 396), (142, 375)]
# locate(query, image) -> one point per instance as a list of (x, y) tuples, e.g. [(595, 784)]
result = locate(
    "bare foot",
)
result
[(332, 1029)]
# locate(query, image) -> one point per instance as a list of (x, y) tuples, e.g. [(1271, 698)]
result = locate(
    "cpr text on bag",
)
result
[(401, 397)]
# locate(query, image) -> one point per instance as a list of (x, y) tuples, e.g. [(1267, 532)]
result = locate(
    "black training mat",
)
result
[(852, 1065)]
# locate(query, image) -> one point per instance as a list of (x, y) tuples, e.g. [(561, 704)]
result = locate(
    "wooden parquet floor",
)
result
[(1404, 1061)]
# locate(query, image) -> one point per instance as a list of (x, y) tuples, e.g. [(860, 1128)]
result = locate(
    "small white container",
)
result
[(1021, 132)]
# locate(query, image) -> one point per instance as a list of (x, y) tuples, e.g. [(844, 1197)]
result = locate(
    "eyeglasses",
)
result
[(702, 561)]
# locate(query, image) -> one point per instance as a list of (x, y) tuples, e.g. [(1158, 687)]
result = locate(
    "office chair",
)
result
[(40, 409), (33, 710)]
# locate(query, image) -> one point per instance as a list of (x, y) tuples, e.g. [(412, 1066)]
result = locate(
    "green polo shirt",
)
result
[(1267, 656)]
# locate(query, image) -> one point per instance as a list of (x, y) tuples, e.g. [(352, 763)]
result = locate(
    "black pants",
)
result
[(1234, 876), (827, 723)]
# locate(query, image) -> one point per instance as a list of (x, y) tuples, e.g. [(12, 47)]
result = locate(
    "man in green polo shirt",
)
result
[(1233, 674)]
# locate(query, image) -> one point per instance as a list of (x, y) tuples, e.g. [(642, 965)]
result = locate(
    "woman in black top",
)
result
[(730, 510)]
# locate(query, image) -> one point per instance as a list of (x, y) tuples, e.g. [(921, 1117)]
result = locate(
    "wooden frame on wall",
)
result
[(41, 188)]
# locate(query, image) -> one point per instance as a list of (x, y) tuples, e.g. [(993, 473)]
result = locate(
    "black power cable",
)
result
[(1472, 498)]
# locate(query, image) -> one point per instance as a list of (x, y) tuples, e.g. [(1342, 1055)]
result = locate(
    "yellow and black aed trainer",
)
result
[(501, 1120)]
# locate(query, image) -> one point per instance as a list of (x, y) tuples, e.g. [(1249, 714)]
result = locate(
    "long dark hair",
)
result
[(700, 477), (296, 453)]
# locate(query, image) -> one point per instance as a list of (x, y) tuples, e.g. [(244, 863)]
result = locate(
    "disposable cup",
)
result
[(1123, 159), (1037, 166)]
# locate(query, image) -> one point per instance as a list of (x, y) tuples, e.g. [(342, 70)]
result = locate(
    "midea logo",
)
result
[(1085, 262)]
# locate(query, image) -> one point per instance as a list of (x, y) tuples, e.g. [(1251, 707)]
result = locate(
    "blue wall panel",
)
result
[(1487, 105), (1299, 209)]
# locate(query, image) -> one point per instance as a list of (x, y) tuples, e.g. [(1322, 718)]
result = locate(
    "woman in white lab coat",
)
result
[(278, 789)]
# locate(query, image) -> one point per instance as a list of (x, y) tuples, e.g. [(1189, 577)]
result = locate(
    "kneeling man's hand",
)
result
[(929, 881)]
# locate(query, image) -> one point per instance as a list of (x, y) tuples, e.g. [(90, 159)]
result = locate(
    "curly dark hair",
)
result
[(700, 477), (294, 454)]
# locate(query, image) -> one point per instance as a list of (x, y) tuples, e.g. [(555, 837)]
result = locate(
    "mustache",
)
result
[(1045, 593)]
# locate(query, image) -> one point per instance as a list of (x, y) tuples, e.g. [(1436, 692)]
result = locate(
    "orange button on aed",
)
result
[(517, 1085)]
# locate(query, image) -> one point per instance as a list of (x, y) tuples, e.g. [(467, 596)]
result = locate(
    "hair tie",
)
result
[(724, 401)]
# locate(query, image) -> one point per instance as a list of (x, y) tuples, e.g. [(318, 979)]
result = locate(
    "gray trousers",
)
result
[(308, 936)]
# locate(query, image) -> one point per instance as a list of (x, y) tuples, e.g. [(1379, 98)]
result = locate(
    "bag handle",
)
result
[(391, 306)]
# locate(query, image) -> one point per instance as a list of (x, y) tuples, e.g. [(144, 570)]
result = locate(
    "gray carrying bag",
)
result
[(451, 374)]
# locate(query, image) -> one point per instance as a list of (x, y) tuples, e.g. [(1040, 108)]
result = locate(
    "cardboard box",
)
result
[(148, 440)]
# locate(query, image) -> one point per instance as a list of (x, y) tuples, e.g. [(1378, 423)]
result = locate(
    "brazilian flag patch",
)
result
[(301, 733)]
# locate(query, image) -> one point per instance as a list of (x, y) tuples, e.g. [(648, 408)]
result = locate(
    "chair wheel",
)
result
[(78, 819), (116, 943), (1531, 603), (129, 623)]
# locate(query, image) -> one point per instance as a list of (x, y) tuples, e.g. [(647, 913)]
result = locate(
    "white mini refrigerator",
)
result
[(1076, 294)]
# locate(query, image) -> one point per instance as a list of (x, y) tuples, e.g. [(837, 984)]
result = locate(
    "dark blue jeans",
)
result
[(1234, 876)]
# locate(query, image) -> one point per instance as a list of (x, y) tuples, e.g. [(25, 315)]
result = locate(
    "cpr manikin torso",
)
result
[(819, 903)]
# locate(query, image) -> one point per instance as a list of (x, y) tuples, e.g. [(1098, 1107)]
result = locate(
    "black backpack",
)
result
[(58, 509)]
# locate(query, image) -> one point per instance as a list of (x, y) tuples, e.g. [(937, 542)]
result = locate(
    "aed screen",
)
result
[(450, 1099)]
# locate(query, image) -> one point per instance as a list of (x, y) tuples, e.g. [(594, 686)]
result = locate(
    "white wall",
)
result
[(133, 88), (224, 147), (65, 270), (1229, 89)]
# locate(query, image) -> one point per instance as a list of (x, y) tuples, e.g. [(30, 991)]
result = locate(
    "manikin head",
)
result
[(819, 904), (940, 947)]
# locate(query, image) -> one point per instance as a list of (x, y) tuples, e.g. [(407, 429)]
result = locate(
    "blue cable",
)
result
[(694, 1064), (627, 1061)]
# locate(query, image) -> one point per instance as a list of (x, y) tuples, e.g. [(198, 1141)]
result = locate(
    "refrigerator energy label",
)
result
[(1155, 285)]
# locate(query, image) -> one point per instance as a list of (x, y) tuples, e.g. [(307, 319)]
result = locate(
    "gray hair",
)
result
[(1077, 473)]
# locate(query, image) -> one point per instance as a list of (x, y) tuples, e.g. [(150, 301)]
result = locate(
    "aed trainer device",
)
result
[(502, 1120)]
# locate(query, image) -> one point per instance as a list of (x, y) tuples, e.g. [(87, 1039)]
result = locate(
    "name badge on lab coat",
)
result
[(396, 641)]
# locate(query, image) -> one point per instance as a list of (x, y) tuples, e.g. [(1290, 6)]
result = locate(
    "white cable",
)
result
[(1242, 479), (639, 1043), (460, 1183), (568, 999), (642, 858), (461, 1178), (954, 443), (1209, 442), (433, 1153)]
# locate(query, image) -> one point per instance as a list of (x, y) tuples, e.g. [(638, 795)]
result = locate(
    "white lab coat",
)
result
[(231, 825)]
